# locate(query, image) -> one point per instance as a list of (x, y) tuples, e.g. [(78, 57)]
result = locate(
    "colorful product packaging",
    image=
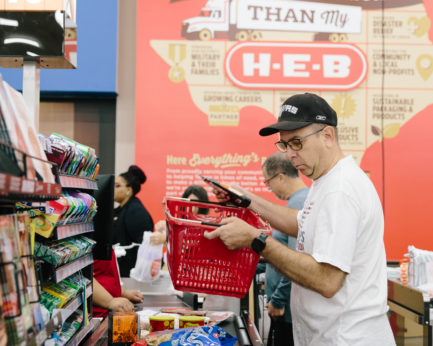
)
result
[(208, 335), (161, 322), (191, 321), (122, 328), (80, 159)]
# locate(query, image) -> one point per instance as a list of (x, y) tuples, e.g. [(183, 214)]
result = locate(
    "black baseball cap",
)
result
[(302, 110)]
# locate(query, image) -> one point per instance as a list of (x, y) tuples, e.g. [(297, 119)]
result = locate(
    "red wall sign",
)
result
[(203, 94), (278, 65)]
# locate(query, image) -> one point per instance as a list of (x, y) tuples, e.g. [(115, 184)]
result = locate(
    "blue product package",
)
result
[(209, 336)]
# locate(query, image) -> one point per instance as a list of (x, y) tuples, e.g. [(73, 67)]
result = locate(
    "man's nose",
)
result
[(290, 153)]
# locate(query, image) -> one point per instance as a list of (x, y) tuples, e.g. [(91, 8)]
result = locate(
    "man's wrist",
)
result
[(258, 244)]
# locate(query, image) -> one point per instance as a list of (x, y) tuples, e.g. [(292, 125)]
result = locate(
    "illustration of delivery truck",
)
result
[(246, 19)]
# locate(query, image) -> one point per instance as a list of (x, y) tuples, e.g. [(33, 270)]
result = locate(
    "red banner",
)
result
[(203, 93)]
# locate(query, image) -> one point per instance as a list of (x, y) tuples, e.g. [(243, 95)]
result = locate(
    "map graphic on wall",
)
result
[(212, 73)]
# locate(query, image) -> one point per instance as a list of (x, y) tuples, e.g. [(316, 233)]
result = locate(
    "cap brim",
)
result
[(282, 126)]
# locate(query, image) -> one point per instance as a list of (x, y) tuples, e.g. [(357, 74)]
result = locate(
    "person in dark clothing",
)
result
[(192, 192), (197, 192), (284, 181), (131, 219)]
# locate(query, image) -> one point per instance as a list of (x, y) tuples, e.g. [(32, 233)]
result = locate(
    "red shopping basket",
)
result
[(198, 264)]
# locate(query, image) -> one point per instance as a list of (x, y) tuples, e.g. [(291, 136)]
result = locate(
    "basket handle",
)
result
[(200, 203), (196, 222), (211, 224)]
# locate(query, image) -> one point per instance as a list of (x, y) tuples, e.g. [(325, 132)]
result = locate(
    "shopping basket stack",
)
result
[(198, 264)]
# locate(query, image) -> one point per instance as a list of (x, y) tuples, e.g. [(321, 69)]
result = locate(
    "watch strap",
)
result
[(259, 243)]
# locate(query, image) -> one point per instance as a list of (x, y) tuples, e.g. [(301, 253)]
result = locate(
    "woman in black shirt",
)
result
[(131, 219)]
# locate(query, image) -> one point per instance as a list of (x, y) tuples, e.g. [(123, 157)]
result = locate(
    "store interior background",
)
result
[(83, 104), (96, 105)]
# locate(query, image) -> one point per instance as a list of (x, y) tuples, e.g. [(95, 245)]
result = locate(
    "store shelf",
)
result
[(53, 324), (69, 181), (57, 62), (71, 230), (58, 274), (60, 316), (83, 332), (18, 188), (74, 304)]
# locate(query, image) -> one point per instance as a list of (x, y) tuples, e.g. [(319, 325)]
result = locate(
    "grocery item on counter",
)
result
[(214, 336), (184, 311), (141, 342), (191, 321), (216, 317), (210, 318), (123, 328), (161, 322)]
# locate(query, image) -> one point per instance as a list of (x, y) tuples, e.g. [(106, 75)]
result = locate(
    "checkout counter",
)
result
[(413, 311), (160, 294)]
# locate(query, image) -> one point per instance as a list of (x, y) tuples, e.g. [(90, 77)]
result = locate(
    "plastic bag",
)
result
[(148, 264)]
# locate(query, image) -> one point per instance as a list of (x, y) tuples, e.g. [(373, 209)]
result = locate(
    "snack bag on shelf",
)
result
[(44, 223), (55, 151), (82, 161), (50, 302)]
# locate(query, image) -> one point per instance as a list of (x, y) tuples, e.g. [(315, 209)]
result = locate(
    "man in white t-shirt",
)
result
[(338, 270)]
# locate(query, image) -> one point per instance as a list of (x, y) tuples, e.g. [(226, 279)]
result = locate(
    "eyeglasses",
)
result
[(294, 143), (267, 181)]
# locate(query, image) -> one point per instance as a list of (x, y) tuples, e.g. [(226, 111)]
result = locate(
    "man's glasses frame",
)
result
[(295, 143), (267, 181)]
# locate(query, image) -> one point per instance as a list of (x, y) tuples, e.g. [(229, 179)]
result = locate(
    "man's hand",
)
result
[(120, 304), (274, 312), (221, 195), (235, 233), (133, 295)]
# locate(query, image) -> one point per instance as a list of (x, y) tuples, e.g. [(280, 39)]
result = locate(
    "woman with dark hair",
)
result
[(193, 192), (131, 219), (196, 192)]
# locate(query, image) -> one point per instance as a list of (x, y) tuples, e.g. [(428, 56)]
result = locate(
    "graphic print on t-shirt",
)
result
[(301, 233)]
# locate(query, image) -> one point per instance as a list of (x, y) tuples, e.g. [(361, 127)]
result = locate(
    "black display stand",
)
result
[(15, 188), (49, 273)]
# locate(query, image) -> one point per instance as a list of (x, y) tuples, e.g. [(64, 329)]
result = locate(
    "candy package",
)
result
[(209, 335)]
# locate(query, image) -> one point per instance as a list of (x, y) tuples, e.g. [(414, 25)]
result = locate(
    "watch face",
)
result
[(259, 243)]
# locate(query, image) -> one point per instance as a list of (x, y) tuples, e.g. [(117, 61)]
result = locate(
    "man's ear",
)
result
[(329, 134)]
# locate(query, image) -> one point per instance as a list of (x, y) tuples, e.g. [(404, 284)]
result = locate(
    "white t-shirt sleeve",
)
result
[(336, 231)]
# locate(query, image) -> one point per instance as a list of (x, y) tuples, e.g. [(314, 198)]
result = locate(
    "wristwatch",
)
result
[(259, 243)]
